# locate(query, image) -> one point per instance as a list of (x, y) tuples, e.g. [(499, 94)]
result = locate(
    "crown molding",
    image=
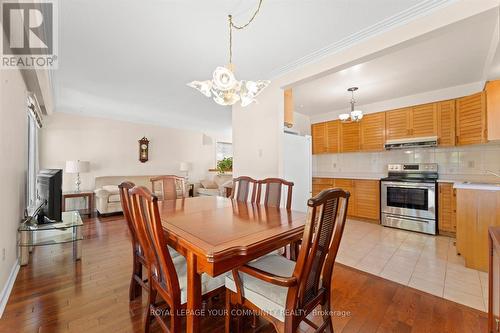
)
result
[(389, 23)]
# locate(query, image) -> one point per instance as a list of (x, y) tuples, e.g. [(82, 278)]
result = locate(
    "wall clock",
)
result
[(143, 149)]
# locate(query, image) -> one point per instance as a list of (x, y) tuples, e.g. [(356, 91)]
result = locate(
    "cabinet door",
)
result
[(471, 119), (367, 199), (446, 122), (333, 136), (320, 184), (424, 120), (397, 124), (446, 203), (347, 185), (372, 134), (349, 137), (318, 133), (288, 96), (493, 109)]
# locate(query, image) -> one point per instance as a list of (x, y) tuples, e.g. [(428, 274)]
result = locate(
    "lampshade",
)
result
[(77, 166), (185, 166)]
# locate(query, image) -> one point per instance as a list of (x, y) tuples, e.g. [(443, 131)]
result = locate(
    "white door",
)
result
[(297, 167)]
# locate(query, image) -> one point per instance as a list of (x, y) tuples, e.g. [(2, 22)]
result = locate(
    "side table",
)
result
[(89, 195)]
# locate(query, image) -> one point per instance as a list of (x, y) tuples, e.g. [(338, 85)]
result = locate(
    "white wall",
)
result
[(111, 147), (13, 154), (301, 124), (258, 129)]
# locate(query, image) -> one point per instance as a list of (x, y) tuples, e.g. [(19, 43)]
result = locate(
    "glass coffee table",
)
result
[(67, 231)]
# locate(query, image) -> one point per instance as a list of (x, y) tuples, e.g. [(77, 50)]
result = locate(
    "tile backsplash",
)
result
[(463, 160)]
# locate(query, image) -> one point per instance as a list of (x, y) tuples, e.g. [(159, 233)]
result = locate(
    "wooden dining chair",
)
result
[(243, 187), (137, 281), (170, 187), (272, 188), (167, 276), (287, 291)]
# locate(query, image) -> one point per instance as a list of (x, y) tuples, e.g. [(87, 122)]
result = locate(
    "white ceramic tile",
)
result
[(458, 296), (399, 276), (431, 287)]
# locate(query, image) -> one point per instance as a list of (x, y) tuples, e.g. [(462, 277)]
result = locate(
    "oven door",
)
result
[(409, 199)]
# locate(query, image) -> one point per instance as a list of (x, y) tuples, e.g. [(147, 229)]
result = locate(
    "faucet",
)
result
[(493, 173)]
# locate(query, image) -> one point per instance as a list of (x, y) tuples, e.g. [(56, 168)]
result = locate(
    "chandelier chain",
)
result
[(239, 27)]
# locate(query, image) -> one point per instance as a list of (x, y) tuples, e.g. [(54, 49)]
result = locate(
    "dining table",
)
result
[(217, 234)]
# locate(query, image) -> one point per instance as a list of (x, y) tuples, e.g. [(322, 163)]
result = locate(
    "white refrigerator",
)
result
[(297, 167)]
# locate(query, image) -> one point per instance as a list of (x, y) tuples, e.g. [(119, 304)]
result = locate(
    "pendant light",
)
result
[(355, 115), (224, 88)]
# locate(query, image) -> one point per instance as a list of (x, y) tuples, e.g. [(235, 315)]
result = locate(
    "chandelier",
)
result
[(224, 88), (355, 115)]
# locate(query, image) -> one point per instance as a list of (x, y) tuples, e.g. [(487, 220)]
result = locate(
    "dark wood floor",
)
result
[(54, 294)]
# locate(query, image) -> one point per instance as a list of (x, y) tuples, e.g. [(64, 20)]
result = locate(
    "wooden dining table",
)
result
[(218, 234)]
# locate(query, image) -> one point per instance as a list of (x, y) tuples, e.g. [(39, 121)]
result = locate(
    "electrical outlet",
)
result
[(3, 254)]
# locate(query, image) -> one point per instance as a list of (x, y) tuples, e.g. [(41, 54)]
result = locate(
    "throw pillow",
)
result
[(208, 184)]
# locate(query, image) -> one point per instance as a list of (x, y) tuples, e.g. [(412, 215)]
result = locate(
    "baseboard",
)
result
[(4, 296)]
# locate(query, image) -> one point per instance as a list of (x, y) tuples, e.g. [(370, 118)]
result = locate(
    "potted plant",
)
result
[(225, 165)]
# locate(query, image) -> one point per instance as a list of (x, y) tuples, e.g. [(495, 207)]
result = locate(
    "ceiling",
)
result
[(454, 55), (131, 60)]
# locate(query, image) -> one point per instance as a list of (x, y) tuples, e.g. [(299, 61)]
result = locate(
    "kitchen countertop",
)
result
[(477, 186), (365, 176)]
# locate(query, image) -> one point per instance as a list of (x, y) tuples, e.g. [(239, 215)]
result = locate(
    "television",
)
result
[(49, 195)]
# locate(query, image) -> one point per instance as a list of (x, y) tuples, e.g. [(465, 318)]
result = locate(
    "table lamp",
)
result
[(185, 167), (77, 167)]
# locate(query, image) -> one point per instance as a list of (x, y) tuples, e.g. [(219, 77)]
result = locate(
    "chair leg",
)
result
[(150, 309), (227, 327), (327, 318), (175, 322), (135, 289), (254, 320)]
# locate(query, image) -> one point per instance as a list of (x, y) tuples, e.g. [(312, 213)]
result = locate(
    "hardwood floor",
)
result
[(54, 294)]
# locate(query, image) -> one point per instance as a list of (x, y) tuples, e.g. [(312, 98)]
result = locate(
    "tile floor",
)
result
[(427, 263)]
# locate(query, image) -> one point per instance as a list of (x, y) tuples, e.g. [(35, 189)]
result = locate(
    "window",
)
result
[(223, 150)]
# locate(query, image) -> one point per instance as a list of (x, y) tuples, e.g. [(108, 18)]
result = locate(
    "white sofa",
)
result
[(216, 185), (107, 195)]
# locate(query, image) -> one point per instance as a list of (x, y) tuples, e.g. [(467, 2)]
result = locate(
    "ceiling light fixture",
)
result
[(355, 115), (224, 88)]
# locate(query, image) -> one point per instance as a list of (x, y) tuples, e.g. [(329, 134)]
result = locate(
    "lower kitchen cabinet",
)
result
[(364, 201), (447, 222)]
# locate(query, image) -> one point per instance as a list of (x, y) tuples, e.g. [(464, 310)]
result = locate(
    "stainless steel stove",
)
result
[(408, 197)]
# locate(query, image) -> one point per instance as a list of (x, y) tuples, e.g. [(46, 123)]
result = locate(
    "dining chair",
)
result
[(273, 192), (244, 186), (171, 187), (286, 292), (137, 281), (167, 276)]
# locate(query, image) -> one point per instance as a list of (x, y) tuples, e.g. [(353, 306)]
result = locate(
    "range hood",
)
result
[(422, 142)]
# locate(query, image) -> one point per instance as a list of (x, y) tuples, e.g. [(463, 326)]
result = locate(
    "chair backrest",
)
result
[(127, 211), (273, 188), (242, 187), (171, 187), (322, 234), (151, 235)]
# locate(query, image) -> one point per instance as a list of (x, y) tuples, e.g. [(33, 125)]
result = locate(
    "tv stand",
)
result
[(67, 231)]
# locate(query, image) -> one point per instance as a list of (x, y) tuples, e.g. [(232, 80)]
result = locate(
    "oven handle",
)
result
[(409, 185)]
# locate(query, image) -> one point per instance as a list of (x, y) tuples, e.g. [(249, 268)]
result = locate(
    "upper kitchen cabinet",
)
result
[(288, 102), (446, 122), (319, 138), (493, 109), (333, 136), (398, 124), (349, 137), (372, 132), (423, 120), (471, 119)]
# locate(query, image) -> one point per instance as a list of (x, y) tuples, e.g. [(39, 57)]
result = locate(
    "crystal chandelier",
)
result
[(355, 115), (224, 88)]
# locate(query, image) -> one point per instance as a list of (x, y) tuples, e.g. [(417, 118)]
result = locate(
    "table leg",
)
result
[(24, 250), (194, 295), (77, 244), (91, 204), (63, 205)]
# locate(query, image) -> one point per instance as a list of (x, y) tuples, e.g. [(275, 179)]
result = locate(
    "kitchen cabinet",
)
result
[(367, 197), (446, 123), (364, 201), (494, 280), (423, 120), (397, 124), (320, 184), (372, 132), (447, 209), (493, 109), (333, 136), (319, 138), (471, 119), (349, 137), (288, 102), (476, 211)]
